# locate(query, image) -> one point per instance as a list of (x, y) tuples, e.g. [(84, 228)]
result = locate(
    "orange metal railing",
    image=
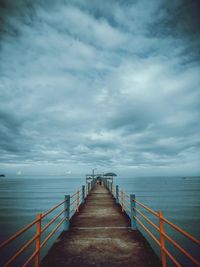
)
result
[(74, 201), (36, 237), (164, 236), (131, 210)]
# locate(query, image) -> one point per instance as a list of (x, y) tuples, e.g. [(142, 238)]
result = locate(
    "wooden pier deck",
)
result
[(100, 235)]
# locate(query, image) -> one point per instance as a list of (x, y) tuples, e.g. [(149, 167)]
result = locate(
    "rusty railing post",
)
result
[(38, 233), (162, 239)]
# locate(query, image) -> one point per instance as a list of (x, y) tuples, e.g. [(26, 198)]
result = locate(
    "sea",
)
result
[(23, 197)]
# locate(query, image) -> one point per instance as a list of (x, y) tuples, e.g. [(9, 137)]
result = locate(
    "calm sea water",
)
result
[(179, 200), (22, 198)]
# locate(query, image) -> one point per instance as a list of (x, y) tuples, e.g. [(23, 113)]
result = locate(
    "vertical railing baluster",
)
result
[(117, 194), (38, 232), (133, 212), (162, 239), (77, 201), (83, 194), (122, 195), (67, 212)]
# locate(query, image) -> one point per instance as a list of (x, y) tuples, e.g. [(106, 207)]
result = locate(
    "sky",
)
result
[(111, 85)]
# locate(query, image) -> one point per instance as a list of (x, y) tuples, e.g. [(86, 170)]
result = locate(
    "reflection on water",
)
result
[(22, 198)]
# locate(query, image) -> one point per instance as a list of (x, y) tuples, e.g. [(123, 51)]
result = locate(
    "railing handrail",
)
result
[(146, 208), (53, 220), (52, 209), (79, 198), (186, 234), (71, 196), (20, 232), (177, 228), (124, 196), (147, 219)]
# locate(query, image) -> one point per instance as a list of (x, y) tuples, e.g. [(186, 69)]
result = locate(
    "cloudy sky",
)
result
[(112, 85)]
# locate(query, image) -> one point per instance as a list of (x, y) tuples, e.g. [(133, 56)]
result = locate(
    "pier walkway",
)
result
[(100, 235)]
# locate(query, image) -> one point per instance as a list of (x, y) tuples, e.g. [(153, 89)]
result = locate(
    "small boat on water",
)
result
[(2, 175)]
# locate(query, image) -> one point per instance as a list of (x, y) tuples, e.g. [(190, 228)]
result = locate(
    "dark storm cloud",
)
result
[(85, 84), (181, 18)]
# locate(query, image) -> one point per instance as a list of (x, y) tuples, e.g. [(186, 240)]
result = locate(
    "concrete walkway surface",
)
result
[(100, 235)]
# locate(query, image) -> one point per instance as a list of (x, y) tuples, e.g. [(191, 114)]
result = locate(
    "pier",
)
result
[(100, 235), (102, 226)]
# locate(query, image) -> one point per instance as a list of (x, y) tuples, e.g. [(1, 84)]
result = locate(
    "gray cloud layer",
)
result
[(113, 85)]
